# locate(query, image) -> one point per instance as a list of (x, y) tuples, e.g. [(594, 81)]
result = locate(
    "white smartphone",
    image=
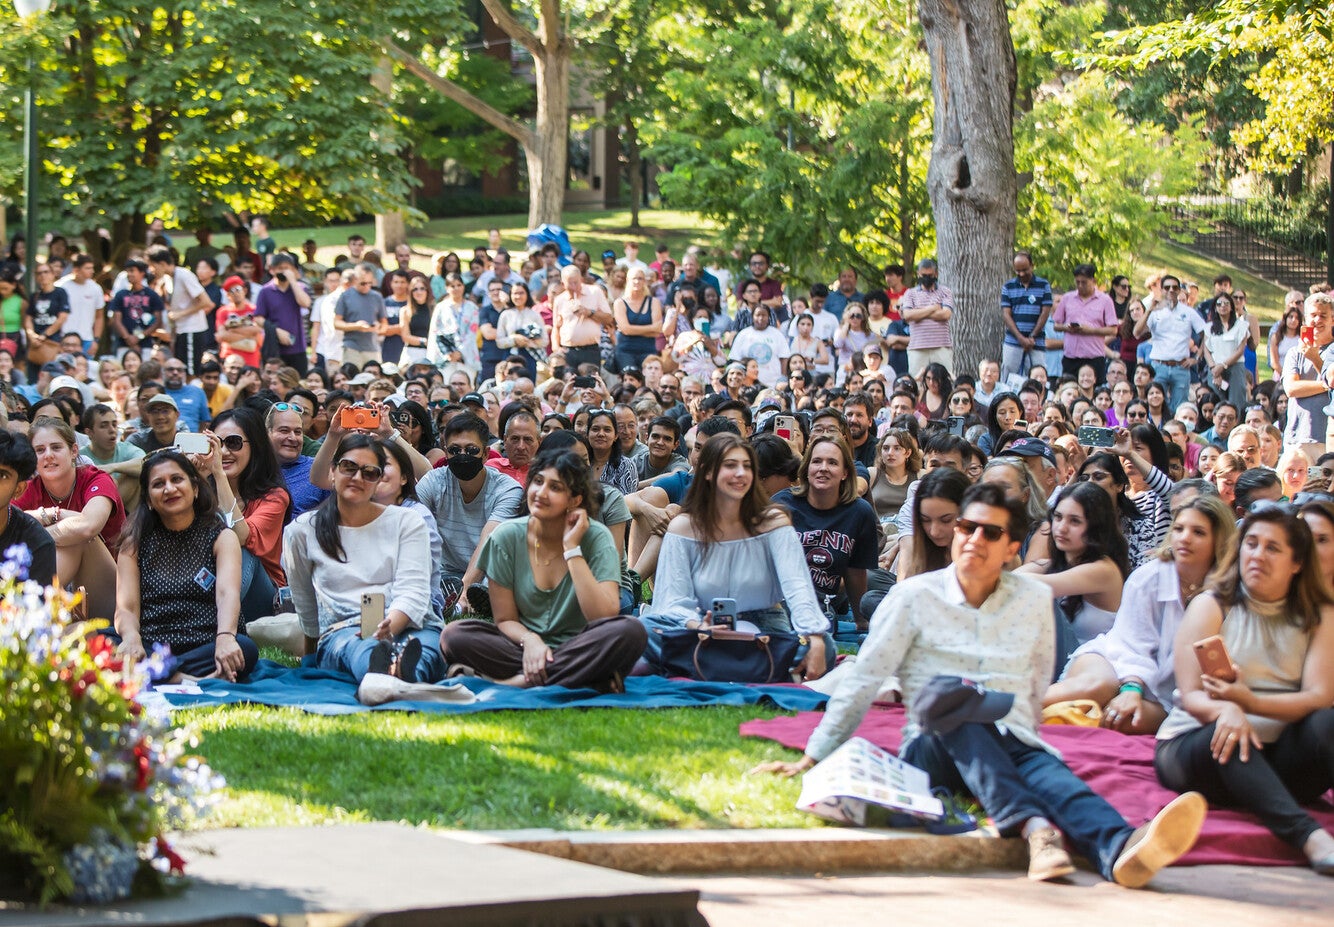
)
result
[(190, 442), (372, 613)]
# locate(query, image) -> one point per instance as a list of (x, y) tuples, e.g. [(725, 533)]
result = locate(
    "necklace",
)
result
[(1189, 590), (61, 500), (537, 544)]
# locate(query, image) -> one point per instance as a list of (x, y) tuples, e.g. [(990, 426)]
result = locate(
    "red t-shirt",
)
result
[(89, 483), (229, 311)]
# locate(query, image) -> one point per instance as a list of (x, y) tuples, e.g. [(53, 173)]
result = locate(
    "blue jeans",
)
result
[(766, 619), (1015, 782), (344, 650), (1177, 380), (257, 589)]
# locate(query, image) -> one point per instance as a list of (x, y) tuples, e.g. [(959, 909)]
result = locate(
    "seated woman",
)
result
[(898, 465), (1263, 739), (1139, 493), (179, 572), (730, 542), (253, 501), (351, 546), (82, 511), (1087, 568), (554, 578), (1013, 475), (1129, 670)]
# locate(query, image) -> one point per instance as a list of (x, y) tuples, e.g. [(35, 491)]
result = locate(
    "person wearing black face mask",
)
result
[(467, 498), (927, 309)]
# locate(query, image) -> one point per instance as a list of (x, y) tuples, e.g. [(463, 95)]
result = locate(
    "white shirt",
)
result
[(925, 628), (86, 300), (1173, 330), (768, 347), (184, 290), (825, 325), (330, 343)]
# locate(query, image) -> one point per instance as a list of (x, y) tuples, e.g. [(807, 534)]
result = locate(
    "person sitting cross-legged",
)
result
[(554, 579), (975, 621)]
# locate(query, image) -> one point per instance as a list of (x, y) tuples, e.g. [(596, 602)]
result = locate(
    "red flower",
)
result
[(174, 859), (143, 767)]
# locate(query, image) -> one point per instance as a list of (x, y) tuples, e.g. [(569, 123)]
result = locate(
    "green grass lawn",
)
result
[(572, 769), (590, 230)]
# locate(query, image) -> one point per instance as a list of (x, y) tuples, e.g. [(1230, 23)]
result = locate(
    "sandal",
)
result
[(405, 664)]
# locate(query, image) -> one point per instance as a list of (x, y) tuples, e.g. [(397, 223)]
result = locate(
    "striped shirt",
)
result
[(1026, 303), (925, 334)]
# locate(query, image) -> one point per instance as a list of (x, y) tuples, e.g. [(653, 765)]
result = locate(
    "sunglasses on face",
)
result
[(370, 474), (966, 528), (459, 450), (233, 443)]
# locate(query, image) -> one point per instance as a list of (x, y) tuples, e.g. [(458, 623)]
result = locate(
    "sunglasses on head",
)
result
[(992, 533), (288, 407), (370, 473)]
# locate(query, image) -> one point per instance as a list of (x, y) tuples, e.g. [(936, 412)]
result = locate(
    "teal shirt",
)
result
[(552, 614)]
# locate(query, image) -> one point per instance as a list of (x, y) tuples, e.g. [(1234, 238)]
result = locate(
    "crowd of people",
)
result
[(535, 472)]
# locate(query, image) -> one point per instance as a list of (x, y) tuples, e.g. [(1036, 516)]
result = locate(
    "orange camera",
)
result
[(360, 418)]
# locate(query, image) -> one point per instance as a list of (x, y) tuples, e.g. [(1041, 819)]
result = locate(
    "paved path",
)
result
[(1201, 896)]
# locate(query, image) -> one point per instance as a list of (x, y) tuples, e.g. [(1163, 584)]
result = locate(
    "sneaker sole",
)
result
[(1166, 839), (1055, 872)]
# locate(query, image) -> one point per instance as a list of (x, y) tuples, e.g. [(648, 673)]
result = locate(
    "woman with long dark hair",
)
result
[(554, 581), (609, 466), (413, 422), (935, 509), (415, 319), (178, 574), (252, 500), (1285, 334), (352, 547), (520, 317), (1140, 493), (1225, 344), (936, 386), (398, 487), (730, 542), (1004, 411), (1258, 734)]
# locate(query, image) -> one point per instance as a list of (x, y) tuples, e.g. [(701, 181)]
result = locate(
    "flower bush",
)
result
[(89, 779)]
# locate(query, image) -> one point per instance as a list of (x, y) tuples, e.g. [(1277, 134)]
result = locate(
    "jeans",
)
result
[(766, 619), (878, 584), (257, 589), (1296, 769), (1015, 782), (345, 651), (631, 357), (1177, 380)]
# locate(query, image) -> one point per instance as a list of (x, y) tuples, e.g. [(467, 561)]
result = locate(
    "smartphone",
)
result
[(1308, 334), (1214, 658), (702, 326), (1019, 425), (724, 612), (785, 426), (1093, 436), (585, 383), (956, 423), (372, 613), (189, 442), (359, 417)]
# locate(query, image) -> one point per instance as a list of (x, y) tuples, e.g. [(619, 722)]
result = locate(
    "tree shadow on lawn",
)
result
[(569, 769)]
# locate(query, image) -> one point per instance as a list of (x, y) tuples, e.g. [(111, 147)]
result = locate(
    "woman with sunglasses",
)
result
[(352, 546), (554, 581), (413, 424), (415, 319), (177, 576), (1258, 734), (852, 336), (1129, 670), (252, 500)]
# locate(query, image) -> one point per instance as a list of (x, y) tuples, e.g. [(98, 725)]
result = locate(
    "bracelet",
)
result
[(574, 554), (222, 633), (1132, 687)]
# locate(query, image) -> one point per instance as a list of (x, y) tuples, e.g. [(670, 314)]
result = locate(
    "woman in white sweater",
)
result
[(352, 546)]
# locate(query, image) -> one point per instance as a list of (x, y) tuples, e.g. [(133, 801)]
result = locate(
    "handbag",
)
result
[(42, 352), (723, 655)]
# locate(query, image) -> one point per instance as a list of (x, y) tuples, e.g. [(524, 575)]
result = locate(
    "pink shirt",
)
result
[(577, 330), (1095, 312)]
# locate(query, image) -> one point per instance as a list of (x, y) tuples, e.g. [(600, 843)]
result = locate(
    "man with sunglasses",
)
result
[(1173, 326), (974, 620)]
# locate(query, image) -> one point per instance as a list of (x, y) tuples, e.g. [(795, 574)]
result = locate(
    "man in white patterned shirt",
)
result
[(975, 620)]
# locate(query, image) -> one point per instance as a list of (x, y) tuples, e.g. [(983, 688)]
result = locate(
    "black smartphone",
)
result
[(585, 383), (956, 424)]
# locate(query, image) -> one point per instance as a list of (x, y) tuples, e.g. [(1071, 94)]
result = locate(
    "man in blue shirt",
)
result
[(845, 292), (190, 400), (1025, 303), (286, 434)]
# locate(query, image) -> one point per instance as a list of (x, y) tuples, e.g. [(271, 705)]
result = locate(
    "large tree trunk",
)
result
[(971, 178), (636, 168), (391, 228), (548, 154)]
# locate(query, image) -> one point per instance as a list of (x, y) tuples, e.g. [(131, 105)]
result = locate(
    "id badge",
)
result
[(204, 579)]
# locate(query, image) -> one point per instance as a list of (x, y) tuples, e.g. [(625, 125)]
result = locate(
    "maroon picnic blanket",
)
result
[(1118, 767)]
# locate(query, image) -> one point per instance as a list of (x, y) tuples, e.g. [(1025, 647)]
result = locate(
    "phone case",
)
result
[(1214, 658), (372, 613)]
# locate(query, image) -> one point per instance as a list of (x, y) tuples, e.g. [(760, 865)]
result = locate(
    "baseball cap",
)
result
[(474, 398), (363, 379), (946, 703), (163, 398), (232, 281), (1029, 447), (873, 349), (389, 369), (64, 381), (51, 367)]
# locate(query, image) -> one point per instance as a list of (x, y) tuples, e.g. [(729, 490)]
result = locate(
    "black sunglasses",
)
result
[(370, 473), (992, 533)]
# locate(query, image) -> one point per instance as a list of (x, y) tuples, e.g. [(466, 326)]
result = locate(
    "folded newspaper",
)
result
[(856, 780)]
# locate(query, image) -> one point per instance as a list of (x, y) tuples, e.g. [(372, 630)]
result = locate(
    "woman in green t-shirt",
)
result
[(554, 578), (13, 307)]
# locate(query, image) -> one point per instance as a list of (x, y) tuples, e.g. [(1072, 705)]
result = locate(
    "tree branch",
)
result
[(452, 91), (512, 27)]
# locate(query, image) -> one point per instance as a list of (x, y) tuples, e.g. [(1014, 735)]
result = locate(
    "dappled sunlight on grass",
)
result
[(569, 769)]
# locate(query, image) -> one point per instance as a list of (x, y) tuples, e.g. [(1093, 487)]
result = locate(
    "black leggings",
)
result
[(1294, 770)]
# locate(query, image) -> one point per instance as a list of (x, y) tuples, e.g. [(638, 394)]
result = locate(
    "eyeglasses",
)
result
[(966, 528), (369, 473), (959, 400), (463, 450), (233, 443)]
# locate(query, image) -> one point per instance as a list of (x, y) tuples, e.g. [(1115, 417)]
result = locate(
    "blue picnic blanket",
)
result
[(323, 692)]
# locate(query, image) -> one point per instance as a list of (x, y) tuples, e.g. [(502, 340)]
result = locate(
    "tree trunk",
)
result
[(636, 169), (971, 179), (391, 228), (548, 154)]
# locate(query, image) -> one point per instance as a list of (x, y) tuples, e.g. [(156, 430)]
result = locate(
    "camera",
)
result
[(359, 417), (447, 344), (534, 334)]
